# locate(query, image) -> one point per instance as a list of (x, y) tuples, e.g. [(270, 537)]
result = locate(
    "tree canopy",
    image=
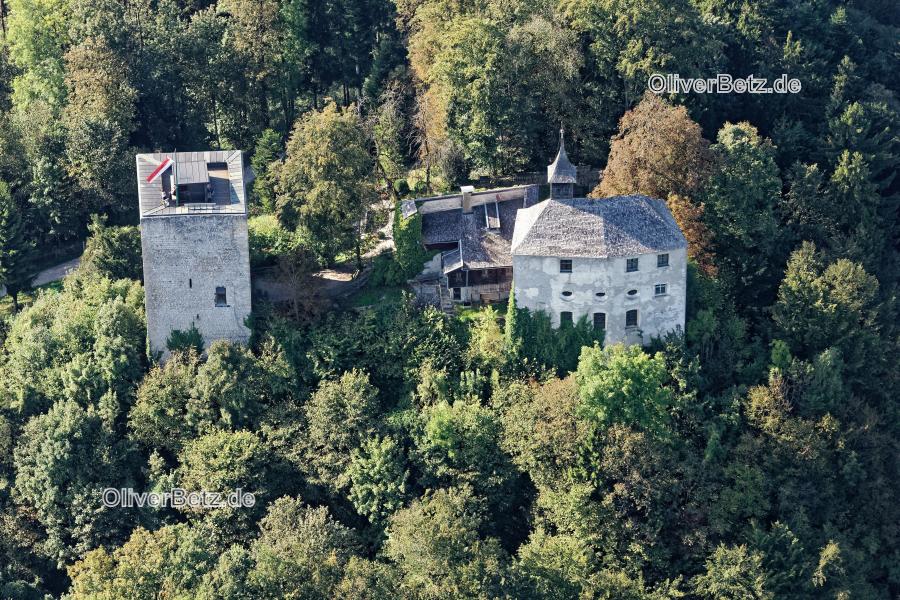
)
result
[(396, 450)]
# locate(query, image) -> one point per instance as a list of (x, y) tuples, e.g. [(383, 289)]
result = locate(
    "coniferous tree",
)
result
[(16, 249)]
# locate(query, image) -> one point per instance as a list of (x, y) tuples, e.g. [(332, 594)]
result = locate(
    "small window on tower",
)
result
[(221, 298)]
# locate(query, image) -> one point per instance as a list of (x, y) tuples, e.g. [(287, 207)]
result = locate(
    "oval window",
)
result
[(632, 292), (566, 294), (600, 294)]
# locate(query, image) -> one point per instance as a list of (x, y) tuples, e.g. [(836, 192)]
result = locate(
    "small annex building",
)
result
[(473, 232)]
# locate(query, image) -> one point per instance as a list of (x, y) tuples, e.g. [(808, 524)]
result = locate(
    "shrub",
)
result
[(401, 186), (184, 340), (268, 241)]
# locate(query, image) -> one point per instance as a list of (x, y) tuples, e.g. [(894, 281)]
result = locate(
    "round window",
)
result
[(632, 292), (600, 294), (566, 294)]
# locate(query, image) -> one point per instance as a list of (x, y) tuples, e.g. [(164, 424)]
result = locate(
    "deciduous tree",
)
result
[(623, 385), (324, 184)]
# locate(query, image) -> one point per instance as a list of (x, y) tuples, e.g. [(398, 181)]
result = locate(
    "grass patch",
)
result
[(371, 295), (467, 313), (27, 298)]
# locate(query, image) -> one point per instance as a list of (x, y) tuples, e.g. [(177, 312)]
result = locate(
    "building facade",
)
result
[(619, 262), (195, 245)]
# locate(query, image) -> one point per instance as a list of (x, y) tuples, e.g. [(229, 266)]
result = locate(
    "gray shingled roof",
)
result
[(583, 227), (441, 227), (482, 247), (562, 171)]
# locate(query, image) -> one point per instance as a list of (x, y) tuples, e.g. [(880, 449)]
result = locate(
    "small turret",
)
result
[(561, 175)]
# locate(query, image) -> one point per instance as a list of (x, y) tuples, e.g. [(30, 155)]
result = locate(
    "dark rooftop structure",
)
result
[(174, 183), (607, 227), (475, 228)]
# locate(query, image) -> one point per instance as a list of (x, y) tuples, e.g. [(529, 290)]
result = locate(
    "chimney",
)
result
[(467, 198)]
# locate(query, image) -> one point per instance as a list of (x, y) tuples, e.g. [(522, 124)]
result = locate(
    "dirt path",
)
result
[(55, 272), (387, 241), (328, 283), (335, 283)]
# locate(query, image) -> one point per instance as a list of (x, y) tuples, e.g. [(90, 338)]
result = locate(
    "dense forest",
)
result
[(397, 451)]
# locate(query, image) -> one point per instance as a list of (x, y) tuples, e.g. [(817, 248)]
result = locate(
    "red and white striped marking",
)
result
[(160, 170)]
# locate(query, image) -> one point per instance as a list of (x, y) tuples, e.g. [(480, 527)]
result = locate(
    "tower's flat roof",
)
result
[(223, 170)]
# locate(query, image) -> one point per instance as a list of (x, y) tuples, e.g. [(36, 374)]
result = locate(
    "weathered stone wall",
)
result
[(185, 258), (539, 285)]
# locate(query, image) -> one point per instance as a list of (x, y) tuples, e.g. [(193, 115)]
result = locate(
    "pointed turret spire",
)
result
[(562, 174)]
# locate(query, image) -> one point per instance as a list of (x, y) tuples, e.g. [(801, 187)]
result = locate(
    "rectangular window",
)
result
[(457, 294), (660, 289), (565, 318), (631, 265), (662, 260), (599, 320), (565, 265), (221, 299), (631, 318)]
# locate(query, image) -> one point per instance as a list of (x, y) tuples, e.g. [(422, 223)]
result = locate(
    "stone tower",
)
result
[(561, 175), (195, 245)]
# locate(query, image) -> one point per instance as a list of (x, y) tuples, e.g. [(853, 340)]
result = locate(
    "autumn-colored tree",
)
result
[(689, 216), (658, 151)]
